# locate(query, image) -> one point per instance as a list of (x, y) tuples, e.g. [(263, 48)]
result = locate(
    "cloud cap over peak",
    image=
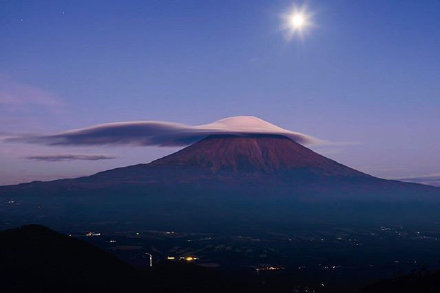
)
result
[(161, 133)]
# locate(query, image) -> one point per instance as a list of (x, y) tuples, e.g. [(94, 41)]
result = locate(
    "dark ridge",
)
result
[(34, 258), (418, 281)]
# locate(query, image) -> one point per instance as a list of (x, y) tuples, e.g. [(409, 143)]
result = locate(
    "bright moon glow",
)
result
[(296, 22)]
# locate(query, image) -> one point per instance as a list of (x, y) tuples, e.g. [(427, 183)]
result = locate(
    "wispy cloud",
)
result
[(15, 95), (70, 157), (159, 133), (24, 107), (430, 179)]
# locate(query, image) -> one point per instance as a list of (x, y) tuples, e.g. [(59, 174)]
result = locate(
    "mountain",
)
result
[(245, 163), (252, 183), (264, 154), (233, 156)]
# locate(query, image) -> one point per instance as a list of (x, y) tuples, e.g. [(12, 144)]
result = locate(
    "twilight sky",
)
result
[(366, 76)]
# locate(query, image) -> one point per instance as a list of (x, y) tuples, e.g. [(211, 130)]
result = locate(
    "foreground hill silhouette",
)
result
[(418, 281), (34, 258)]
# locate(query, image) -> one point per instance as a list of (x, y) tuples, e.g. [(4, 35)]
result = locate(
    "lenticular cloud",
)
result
[(69, 157), (159, 133)]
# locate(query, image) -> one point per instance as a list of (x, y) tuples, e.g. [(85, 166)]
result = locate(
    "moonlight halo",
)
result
[(296, 22)]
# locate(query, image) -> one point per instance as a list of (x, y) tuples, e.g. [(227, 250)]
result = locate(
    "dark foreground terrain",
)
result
[(34, 258), (237, 238)]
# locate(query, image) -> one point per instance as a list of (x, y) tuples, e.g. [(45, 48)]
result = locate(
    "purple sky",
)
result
[(366, 75)]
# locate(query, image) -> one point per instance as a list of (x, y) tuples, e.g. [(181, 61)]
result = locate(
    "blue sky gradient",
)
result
[(366, 73)]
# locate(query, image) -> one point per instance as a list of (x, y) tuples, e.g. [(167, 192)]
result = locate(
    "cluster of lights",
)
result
[(269, 268), (93, 234), (183, 258)]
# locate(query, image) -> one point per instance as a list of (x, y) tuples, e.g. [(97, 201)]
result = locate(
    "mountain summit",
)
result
[(234, 158), (252, 153)]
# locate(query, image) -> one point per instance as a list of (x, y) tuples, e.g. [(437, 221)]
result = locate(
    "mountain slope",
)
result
[(255, 154), (234, 157), (253, 163)]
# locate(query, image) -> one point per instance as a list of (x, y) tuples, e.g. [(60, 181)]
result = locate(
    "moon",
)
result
[(296, 22)]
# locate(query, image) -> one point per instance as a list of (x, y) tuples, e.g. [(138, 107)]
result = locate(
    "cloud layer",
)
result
[(18, 96), (159, 133), (69, 157), (432, 179)]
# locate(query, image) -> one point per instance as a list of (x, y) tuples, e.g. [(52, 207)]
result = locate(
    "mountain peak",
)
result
[(251, 153), (245, 124)]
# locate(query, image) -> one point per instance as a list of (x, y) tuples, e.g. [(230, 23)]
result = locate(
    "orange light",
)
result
[(190, 258)]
